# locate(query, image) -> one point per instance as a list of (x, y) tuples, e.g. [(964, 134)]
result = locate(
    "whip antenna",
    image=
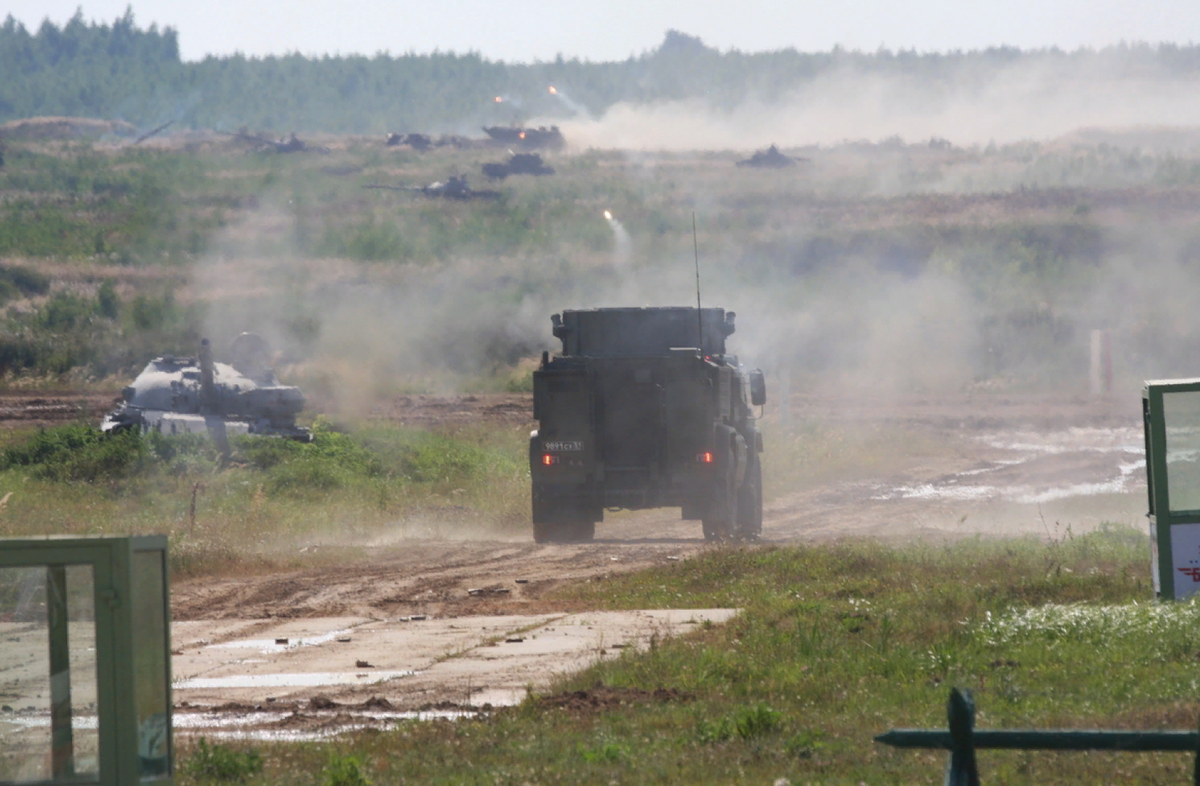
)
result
[(699, 313)]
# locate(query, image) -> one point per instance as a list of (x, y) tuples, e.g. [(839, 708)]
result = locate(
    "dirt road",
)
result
[(452, 624), (394, 626)]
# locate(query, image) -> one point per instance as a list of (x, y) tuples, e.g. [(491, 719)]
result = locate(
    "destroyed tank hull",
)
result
[(196, 395)]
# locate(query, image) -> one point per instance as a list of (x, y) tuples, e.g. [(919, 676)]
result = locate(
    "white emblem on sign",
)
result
[(1185, 553)]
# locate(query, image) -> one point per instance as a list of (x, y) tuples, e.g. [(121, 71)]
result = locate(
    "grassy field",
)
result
[(996, 261), (350, 486), (872, 268), (270, 495), (836, 643)]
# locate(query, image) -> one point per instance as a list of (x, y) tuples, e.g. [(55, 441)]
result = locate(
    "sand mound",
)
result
[(64, 128)]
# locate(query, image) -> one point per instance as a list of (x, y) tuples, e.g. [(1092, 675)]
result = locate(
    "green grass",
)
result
[(342, 488), (1026, 272), (837, 643)]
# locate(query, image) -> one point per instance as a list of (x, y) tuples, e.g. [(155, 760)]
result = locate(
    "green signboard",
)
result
[(1171, 416), (85, 677)]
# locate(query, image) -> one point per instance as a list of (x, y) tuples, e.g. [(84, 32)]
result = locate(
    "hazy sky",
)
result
[(614, 29)]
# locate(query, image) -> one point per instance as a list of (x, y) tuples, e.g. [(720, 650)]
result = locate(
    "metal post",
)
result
[(960, 768), (1196, 770), (62, 743)]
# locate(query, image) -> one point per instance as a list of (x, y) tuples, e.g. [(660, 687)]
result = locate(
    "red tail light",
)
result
[(548, 459), (705, 458)]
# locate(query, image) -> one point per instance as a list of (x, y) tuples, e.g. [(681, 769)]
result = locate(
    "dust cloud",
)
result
[(1004, 292), (1029, 100)]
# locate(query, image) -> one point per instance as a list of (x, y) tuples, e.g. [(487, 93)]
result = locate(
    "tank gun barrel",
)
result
[(208, 387)]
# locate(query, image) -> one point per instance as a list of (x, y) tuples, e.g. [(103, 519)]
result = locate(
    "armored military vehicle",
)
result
[(454, 187), (197, 395), (771, 158), (540, 138), (418, 142), (644, 409), (518, 164)]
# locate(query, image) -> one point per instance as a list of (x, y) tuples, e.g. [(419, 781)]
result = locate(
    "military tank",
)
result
[(518, 164), (197, 395), (527, 138), (454, 187), (771, 158)]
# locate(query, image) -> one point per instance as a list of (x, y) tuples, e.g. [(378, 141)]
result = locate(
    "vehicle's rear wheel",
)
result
[(564, 532), (720, 523), (749, 503), (543, 532), (584, 532)]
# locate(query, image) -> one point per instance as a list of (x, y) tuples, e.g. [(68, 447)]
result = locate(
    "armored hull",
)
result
[(196, 395)]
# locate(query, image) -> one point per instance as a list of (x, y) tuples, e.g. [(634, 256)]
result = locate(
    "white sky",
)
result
[(614, 29)]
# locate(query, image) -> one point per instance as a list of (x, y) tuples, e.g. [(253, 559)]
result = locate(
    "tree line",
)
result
[(120, 71)]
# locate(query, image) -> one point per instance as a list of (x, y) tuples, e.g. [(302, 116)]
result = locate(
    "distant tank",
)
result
[(418, 142), (771, 158), (454, 187), (197, 395), (527, 138), (518, 164)]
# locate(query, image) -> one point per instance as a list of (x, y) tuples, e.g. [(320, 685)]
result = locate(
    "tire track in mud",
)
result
[(421, 577)]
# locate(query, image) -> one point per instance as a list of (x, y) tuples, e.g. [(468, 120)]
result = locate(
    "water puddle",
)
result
[(42, 720), (257, 725), (314, 735), (1072, 440), (314, 679), (1036, 468), (279, 645)]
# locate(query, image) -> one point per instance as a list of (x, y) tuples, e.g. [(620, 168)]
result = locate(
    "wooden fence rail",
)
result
[(962, 740)]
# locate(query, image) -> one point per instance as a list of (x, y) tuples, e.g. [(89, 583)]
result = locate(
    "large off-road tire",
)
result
[(721, 520), (584, 532), (544, 532), (749, 503), (564, 532)]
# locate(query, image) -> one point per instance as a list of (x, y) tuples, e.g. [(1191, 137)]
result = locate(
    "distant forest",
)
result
[(122, 72)]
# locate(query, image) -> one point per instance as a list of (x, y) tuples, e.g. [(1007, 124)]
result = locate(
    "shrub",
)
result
[(26, 279), (339, 451), (437, 458), (308, 473), (82, 452), (756, 721), (108, 305), (77, 452), (221, 763), (747, 723), (345, 771), (65, 311)]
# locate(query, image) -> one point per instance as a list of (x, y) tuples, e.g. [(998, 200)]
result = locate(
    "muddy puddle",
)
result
[(1034, 468), (282, 726), (314, 679)]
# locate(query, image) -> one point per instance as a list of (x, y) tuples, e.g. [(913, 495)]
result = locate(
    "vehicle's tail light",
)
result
[(548, 459), (705, 458)]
